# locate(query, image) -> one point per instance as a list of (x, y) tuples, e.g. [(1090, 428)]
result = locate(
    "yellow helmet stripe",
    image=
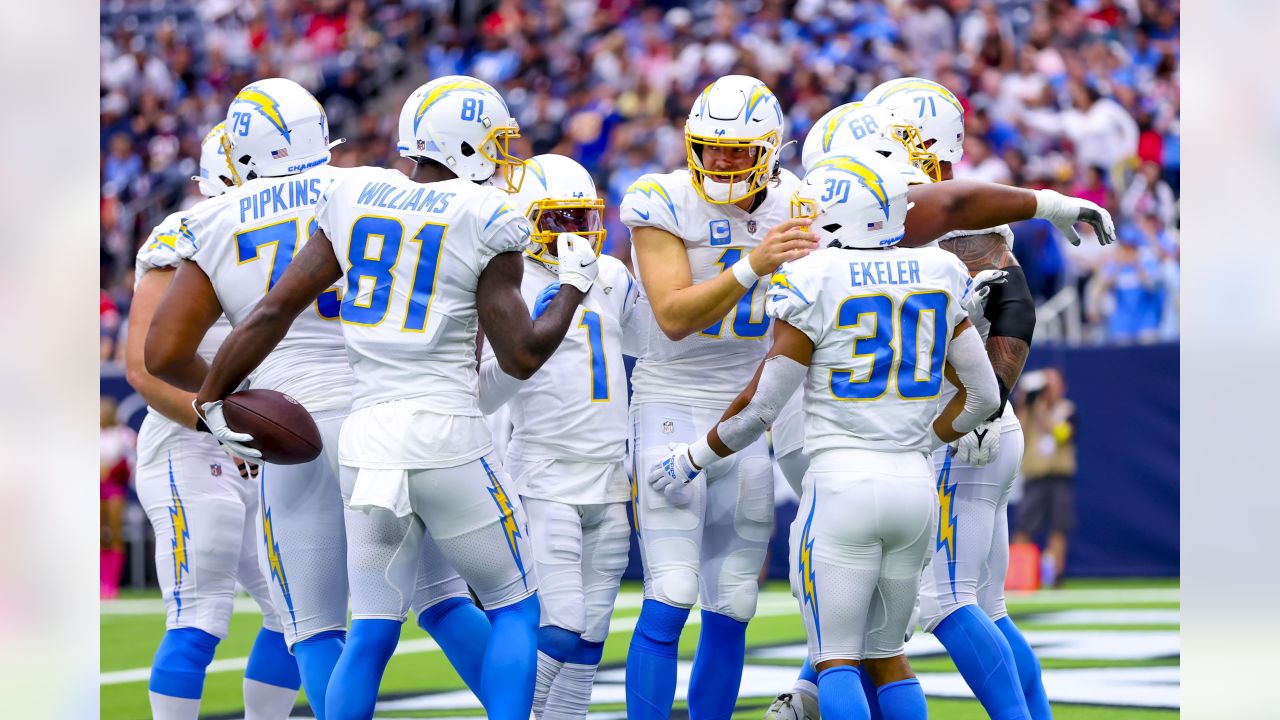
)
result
[(928, 86), (833, 124), (440, 91)]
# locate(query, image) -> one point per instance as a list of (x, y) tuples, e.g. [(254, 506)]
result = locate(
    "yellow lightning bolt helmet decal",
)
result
[(267, 107), (926, 86), (508, 517), (870, 179), (833, 123)]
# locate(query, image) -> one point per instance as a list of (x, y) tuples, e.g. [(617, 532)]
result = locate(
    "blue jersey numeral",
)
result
[(916, 379), (282, 238), (599, 370), (380, 266), (744, 326), (472, 109), (926, 101)]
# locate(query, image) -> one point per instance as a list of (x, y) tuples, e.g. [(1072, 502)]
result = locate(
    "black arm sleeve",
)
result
[(1010, 309)]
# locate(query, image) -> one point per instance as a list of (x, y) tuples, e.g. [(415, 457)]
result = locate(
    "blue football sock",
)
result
[(353, 689), (317, 655), (556, 642), (870, 693), (807, 673), (462, 631), (651, 661), (511, 661), (984, 659), (1028, 669), (840, 694), (271, 663), (180, 662), (902, 700), (717, 667)]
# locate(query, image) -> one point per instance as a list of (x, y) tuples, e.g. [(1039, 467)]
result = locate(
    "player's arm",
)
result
[(312, 272), (521, 344), (969, 205), (969, 370), (164, 398), (1009, 307), (186, 312), (756, 407), (682, 307)]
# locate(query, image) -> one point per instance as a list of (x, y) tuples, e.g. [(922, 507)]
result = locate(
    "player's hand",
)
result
[(248, 470), (788, 240), (980, 288), (1064, 211), (579, 264), (674, 471), (980, 446), (212, 421), (544, 299)]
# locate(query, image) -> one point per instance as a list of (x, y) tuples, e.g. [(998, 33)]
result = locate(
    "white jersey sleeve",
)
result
[(244, 240), (649, 203), (166, 247), (790, 294)]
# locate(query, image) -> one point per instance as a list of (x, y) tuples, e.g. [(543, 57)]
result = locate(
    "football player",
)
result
[(900, 313), (702, 236), (568, 440), (201, 503), (422, 260)]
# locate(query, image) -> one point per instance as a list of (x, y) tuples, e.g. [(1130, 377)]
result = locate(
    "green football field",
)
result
[(1109, 649)]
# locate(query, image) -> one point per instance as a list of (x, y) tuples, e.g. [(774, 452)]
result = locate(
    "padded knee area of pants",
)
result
[(557, 642), (676, 586), (586, 653), (179, 666), (737, 590), (660, 624)]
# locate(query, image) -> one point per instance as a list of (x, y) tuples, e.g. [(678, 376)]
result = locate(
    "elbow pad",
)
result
[(778, 382), (1010, 309)]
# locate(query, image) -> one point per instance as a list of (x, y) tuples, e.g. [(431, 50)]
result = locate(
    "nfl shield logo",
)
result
[(668, 427), (215, 470), (751, 226)]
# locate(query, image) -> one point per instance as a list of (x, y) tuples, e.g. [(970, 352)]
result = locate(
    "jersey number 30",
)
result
[(893, 346)]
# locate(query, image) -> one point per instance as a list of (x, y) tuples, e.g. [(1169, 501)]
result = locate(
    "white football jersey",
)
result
[(880, 322), (575, 407), (165, 248), (412, 254), (708, 368), (243, 241)]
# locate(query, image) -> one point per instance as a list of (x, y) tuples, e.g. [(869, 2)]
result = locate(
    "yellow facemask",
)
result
[(741, 184), (581, 216)]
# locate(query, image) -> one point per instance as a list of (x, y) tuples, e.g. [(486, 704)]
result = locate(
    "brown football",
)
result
[(281, 427)]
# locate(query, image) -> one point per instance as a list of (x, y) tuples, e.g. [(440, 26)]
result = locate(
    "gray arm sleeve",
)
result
[(496, 387), (778, 381), (968, 357)]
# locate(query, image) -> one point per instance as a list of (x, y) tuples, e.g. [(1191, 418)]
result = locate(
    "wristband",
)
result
[(743, 273), (1053, 205), (701, 453)]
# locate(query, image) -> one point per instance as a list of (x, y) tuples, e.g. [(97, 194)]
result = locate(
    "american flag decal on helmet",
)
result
[(282, 152)]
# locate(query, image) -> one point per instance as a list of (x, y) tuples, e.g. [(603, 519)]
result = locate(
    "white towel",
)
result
[(381, 488)]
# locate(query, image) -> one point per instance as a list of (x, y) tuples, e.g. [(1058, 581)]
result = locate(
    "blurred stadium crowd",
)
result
[(1079, 95)]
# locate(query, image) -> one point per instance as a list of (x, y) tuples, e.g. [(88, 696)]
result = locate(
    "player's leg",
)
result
[(382, 569), (605, 542), (967, 499), (907, 512), (737, 525), (199, 521), (479, 525), (271, 678), (670, 536), (302, 550), (444, 609), (555, 532), (991, 588), (113, 550)]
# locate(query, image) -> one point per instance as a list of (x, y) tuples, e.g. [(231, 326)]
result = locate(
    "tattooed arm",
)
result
[(1009, 309)]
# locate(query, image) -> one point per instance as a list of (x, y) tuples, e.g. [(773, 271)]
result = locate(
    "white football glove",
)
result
[(1064, 211), (980, 288), (578, 264), (674, 471), (980, 446), (233, 442)]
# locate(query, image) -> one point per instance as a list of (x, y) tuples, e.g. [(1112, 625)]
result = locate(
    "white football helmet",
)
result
[(275, 127), (216, 174), (862, 125), (558, 195), (736, 111), (463, 124), (856, 200), (932, 107)]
